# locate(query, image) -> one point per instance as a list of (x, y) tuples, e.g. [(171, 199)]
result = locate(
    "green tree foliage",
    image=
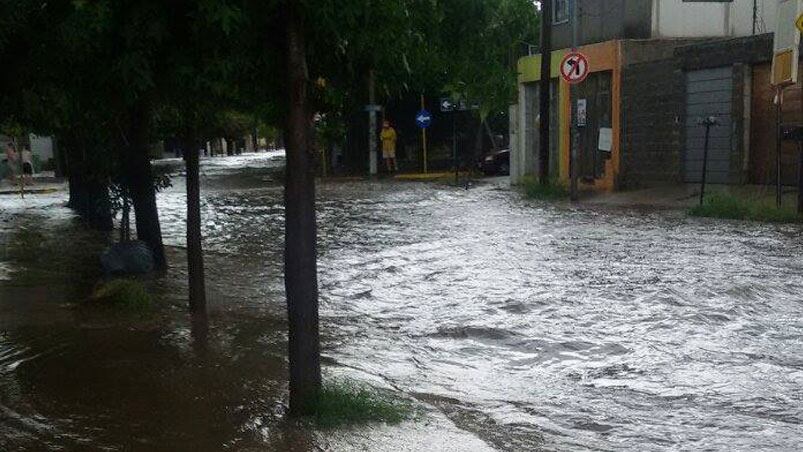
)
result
[(108, 77), (480, 40), (467, 48)]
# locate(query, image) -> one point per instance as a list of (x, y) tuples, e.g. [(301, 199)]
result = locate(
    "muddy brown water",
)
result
[(529, 326)]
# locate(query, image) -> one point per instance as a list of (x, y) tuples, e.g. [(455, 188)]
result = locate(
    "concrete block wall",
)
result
[(653, 103), (725, 52), (652, 109)]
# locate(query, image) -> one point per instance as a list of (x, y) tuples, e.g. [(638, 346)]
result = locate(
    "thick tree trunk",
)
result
[(140, 182), (300, 258), (195, 257), (89, 194), (99, 211), (90, 199)]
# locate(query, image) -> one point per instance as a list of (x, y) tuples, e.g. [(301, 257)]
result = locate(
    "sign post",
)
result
[(423, 119), (707, 123), (372, 108), (450, 106), (785, 52), (785, 56), (574, 69)]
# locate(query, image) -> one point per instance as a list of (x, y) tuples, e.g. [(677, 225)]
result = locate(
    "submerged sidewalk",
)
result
[(37, 187), (44, 182), (684, 196)]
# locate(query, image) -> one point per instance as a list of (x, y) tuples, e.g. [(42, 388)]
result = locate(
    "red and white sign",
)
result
[(574, 68)]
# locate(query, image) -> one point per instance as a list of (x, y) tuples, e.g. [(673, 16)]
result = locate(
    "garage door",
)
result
[(709, 92)]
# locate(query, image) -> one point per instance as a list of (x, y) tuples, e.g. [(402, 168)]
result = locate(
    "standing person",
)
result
[(27, 164), (388, 137)]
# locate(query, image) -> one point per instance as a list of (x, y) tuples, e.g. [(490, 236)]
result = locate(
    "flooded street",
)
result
[(529, 326)]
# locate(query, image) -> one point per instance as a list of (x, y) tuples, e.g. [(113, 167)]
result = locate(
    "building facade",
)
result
[(656, 68)]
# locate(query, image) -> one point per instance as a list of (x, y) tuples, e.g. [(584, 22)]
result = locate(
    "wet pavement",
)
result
[(517, 325)]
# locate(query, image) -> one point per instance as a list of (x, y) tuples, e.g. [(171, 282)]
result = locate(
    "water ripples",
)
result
[(534, 326)]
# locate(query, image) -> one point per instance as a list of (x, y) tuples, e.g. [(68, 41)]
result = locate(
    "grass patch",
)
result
[(347, 403), (724, 205), (533, 189), (123, 293)]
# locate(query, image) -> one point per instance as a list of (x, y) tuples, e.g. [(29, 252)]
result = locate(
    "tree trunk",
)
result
[(478, 139), (491, 136), (99, 209), (195, 257), (59, 158), (300, 258), (140, 182), (89, 194)]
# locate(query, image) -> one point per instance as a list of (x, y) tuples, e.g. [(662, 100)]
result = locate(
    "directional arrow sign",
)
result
[(446, 105), (423, 119)]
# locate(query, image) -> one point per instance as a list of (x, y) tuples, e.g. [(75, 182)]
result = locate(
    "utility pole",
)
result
[(544, 95), (755, 15), (778, 145), (372, 159), (454, 150), (573, 135), (800, 161)]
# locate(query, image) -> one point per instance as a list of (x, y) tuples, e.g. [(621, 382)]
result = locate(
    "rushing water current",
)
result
[(530, 326)]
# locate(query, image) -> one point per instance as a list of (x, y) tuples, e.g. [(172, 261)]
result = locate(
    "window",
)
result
[(560, 11)]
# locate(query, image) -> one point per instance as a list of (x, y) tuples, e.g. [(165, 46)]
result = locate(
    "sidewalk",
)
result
[(42, 183), (666, 197), (683, 196)]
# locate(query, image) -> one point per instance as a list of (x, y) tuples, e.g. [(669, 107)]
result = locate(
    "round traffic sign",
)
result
[(423, 119), (574, 68)]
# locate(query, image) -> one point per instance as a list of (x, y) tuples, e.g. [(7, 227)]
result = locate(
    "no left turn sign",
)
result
[(574, 68)]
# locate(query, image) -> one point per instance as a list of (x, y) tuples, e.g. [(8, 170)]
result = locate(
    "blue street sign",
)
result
[(423, 119)]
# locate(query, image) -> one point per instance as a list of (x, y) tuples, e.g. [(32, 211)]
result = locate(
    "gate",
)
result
[(709, 92)]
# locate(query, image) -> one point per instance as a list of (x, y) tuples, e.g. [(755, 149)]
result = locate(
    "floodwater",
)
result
[(518, 325)]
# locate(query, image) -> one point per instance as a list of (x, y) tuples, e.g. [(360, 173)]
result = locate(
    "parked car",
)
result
[(496, 163)]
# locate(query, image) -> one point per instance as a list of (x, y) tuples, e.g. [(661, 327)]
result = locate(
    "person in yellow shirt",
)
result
[(388, 137)]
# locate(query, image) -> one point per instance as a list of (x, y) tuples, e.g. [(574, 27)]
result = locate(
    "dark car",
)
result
[(496, 163)]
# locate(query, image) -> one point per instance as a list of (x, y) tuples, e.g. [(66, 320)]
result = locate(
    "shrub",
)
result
[(533, 189), (347, 403), (124, 293), (724, 205)]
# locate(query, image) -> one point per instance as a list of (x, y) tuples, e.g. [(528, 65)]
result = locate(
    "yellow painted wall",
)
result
[(530, 66), (529, 69), (604, 56)]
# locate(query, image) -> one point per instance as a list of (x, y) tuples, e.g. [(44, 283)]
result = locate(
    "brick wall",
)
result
[(653, 103)]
